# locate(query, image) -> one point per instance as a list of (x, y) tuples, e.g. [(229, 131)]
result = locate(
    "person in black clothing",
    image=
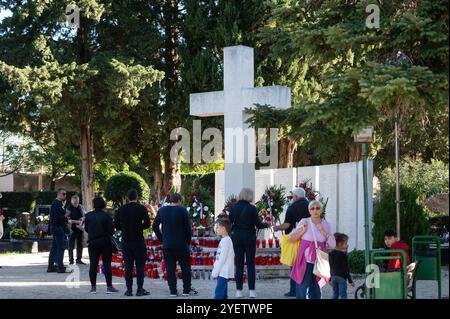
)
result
[(132, 219), (59, 229), (340, 272), (244, 218), (294, 214), (76, 217), (99, 226), (176, 238)]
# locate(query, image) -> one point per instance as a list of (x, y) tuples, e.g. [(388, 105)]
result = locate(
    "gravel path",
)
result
[(24, 276)]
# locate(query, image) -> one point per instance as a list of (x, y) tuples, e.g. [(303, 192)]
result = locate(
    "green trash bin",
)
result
[(392, 284), (427, 251)]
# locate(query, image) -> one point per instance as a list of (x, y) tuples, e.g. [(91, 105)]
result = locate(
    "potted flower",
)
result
[(17, 236), (42, 226)]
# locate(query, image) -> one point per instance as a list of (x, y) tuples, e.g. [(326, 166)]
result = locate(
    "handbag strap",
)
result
[(314, 233)]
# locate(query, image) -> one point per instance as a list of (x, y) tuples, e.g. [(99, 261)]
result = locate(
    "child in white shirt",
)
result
[(224, 264)]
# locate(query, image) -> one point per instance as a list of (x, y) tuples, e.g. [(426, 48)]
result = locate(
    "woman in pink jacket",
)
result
[(302, 271)]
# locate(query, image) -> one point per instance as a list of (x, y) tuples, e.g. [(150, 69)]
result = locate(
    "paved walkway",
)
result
[(24, 276)]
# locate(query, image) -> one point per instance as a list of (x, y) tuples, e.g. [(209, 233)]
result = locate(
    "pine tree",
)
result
[(66, 85)]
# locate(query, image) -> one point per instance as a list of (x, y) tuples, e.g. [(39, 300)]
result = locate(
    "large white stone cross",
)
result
[(239, 92)]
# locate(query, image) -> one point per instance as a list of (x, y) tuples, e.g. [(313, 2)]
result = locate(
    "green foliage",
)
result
[(426, 179), (19, 233), (356, 261), (18, 200), (27, 201), (345, 76), (412, 216), (119, 184)]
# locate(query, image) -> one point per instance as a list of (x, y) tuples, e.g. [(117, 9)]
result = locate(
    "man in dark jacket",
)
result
[(59, 229), (176, 238), (295, 213), (76, 218), (99, 226), (132, 219)]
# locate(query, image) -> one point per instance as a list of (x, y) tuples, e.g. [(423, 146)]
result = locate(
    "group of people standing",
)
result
[(172, 226), (131, 219)]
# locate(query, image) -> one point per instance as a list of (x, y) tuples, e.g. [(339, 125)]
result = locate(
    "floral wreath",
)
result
[(199, 208), (271, 204)]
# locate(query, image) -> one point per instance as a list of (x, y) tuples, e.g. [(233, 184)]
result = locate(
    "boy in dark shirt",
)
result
[(340, 272)]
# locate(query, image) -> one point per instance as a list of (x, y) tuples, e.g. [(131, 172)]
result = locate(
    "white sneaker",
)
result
[(238, 293), (252, 294)]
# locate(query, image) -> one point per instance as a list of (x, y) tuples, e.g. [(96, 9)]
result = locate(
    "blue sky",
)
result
[(4, 13)]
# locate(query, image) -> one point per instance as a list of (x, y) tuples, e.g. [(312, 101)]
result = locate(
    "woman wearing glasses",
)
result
[(306, 230)]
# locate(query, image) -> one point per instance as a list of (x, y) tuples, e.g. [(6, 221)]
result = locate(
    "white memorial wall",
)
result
[(340, 183)]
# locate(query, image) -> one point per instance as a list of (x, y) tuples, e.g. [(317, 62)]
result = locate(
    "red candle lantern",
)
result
[(258, 243), (270, 243), (277, 243), (263, 242)]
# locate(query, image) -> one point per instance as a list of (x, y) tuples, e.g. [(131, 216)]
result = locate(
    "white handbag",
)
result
[(322, 263)]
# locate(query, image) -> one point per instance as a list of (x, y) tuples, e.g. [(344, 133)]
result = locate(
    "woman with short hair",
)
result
[(245, 220), (302, 270), (99, 226)]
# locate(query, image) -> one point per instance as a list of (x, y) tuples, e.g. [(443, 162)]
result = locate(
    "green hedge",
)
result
[(119, 184), (356, 261), (27, 201), (426, 179), (413, 219)]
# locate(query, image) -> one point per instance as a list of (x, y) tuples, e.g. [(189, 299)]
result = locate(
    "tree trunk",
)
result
[(158, 181), (286, 152), (353, 152), (87, 166), (173, 105), (172, 174)]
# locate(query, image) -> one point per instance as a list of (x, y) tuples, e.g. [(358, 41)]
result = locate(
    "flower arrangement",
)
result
[(13, 223), (165, 196), (271, 204), (199, 207), (229, 202), (151, 212), (312, 194), (18, 233), (42, 227)]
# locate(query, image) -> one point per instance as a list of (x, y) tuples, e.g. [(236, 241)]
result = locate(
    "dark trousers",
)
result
[(134, 252), (183, 257), (94, 256), (339, 287), (245, 250), (221, 291), (76, 236), (293, 284), (59, 244), (309, 285)]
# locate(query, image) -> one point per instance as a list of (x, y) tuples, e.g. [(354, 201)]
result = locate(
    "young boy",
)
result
[(224, 264), (393, 242), (340, 272)]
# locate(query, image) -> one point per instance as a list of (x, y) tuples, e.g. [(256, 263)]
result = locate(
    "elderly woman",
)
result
[(302, 270), (244, 218)]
